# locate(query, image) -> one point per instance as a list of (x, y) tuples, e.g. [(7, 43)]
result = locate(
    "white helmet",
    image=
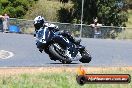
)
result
[(38, 22)]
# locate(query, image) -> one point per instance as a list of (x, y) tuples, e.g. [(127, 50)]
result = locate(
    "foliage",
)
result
[(107, 11), (129, 23), (112, 12), (15, 8), (65, 14), (129, 3), (50, 9)]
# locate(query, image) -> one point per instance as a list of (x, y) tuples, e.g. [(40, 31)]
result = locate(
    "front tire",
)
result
[(61, 58), (86, 58), (65, 62)]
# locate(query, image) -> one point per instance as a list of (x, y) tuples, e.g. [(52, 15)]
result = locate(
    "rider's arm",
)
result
[(52, 27)]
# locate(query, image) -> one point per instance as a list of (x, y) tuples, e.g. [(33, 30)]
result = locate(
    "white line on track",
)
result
[(5, 54)]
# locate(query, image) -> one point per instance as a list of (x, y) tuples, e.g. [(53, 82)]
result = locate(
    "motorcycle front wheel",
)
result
[(86, 57), (61, 57)]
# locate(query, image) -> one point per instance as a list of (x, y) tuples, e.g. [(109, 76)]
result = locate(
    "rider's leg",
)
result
[(70, 37)]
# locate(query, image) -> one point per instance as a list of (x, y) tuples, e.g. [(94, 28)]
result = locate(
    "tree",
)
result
[(15, 8), (129, 3), (65, 15), (107, 11), (112, 12)]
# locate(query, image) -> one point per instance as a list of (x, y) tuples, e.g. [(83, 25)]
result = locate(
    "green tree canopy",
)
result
[(15, 8), (107, 11), (129, 3)]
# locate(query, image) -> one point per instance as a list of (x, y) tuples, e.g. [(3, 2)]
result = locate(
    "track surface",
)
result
[(104, 52)]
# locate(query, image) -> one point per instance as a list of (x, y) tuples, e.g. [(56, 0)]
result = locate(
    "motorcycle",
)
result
[(59, 47)]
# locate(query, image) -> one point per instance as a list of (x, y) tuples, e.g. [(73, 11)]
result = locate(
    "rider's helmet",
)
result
[(38, 22)]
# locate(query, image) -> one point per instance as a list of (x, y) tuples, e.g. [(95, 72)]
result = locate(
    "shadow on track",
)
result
[(62, 64)]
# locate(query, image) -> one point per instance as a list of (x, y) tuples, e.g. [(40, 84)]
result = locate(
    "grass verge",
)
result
[(56, 77)]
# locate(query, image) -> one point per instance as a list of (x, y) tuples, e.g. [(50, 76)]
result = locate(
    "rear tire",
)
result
[(86, 58)]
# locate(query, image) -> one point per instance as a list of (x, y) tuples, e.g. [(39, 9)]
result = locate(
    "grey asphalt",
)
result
[(105, 52)]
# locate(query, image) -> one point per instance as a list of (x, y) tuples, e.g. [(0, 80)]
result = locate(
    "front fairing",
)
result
[(44, 35)]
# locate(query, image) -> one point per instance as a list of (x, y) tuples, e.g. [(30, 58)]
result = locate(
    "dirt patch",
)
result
[(33, 70)]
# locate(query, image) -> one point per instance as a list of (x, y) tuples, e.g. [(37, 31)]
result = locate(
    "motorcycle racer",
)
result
[(39, 22)]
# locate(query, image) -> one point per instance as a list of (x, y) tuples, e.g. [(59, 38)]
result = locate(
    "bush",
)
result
[(15, 8)]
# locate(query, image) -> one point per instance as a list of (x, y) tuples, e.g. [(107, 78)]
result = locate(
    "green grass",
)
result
[(54, 80)]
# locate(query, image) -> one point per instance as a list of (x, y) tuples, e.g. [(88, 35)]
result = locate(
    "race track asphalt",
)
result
[(105, 52)]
